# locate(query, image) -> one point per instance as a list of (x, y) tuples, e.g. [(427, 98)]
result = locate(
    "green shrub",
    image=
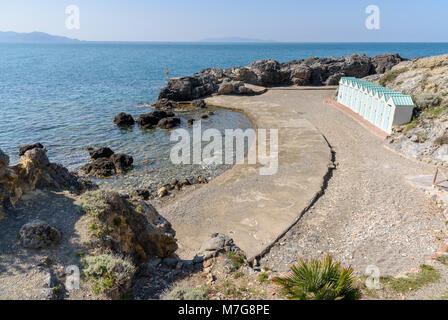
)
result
[(440, 141), (263, 277), (390, 76), (181, 293), (319, 280), (107, 272), (427, 100), (95, 202), (238, 259)]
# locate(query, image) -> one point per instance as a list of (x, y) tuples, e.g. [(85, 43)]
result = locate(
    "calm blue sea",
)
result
[(66, 95)]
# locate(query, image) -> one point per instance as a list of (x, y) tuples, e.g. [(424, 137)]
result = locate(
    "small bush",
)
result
[(95, 202), (263, 277), (440, 141), (391, 76), (238, 259), (180, 293), (427, 100), (108, 273), (319, 280)]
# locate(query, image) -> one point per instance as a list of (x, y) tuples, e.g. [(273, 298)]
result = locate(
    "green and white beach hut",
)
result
[(382, 107)]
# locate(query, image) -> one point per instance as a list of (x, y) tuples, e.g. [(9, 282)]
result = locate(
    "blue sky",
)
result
[(193, 20)]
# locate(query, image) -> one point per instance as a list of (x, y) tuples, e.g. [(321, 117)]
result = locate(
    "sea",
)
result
[(66, 95)]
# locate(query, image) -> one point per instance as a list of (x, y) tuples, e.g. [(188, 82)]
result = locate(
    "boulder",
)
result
[(189, 88), (25, 148), (168, 123), (384, 62), (218, 243), (199, 103), (100, 153), (38, 234), (99, 168), (269, 72), (244, 74), (164, 104), (190, 122), (34, 171), (122, 162), (147, 120), (230, 87), (124, 120), (132, 228)]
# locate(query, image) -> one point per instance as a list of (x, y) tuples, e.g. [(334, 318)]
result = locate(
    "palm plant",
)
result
[(319, 280)]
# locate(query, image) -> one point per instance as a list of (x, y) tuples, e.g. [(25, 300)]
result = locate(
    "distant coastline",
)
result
[(33, 37)]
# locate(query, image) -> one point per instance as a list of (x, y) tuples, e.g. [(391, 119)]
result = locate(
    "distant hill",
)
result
[(234, 39), (33, 37)]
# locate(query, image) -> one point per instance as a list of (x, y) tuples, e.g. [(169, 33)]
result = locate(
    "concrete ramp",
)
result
[(253, 209)]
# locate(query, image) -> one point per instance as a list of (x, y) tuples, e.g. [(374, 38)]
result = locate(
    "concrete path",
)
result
[(252, 209), (371, 213)]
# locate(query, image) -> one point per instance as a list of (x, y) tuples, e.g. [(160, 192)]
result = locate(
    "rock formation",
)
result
[(132, 228), (38, 234), (35, 171), (311, 71), (124, 120), (106, 163)]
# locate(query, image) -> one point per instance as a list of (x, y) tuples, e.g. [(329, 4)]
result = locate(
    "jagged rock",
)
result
[(122, 162), (199, 103), (218, 243), (314, 71), (269, 72), (147, 120), (164, 104), (168, 123), (124, 120), (34, 171), (385, 62), (244, 74), (189, 88), (99, 168), (38, 234), (27, 147), (100, 153), (132, 228)]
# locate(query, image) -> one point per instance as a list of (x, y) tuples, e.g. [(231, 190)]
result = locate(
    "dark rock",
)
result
[(38, 234), (142, 193), (204, 116), (189, 88), (269, 72), (147, 120), (190, 122), (168, 123), (164, 104), (100, 153), (99, 168), (25, 148), (122, 162), (384, 62), (124, 120), (199, 103)]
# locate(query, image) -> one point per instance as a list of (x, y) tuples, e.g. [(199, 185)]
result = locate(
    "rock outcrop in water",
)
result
[(35, 171), (106, 163), (311, 71), (124, 120)]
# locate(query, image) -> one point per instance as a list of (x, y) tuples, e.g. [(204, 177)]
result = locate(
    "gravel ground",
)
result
[(369, 213)]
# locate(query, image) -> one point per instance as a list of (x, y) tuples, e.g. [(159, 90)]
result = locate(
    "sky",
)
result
[(194, 20)]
